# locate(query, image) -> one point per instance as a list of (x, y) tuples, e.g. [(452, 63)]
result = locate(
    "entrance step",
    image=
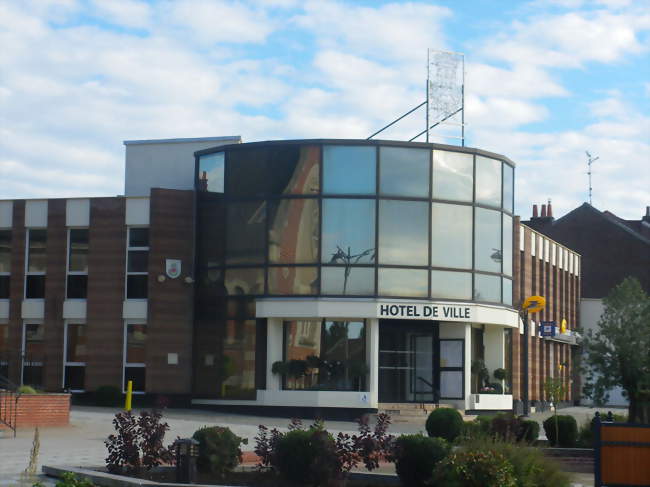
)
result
[(414, 412)]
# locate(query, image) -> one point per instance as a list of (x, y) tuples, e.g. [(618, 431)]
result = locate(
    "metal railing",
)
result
[(9, 396)]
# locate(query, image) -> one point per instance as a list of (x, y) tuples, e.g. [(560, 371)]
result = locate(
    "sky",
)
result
[(546, 80)]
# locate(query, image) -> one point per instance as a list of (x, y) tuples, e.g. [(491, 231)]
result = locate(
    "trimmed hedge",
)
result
[(567, 428), (219, 450), (445, 423), (416, 456), (108, 396)]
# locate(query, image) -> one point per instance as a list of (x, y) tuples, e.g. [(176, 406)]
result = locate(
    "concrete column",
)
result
[(494, 349), (372, 359), (274, 352)]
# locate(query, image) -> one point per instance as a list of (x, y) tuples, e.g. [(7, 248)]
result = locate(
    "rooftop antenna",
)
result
[(590, 161)]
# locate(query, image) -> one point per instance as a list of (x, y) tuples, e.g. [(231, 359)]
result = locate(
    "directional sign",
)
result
[(533, 304)]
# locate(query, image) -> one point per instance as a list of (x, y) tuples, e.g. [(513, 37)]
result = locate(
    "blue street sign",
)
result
[(547, 328)]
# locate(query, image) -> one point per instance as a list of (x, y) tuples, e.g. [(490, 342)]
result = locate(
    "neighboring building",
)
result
[(377, 272), (612, 249)]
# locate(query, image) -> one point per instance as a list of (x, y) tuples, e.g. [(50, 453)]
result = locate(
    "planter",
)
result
[(40, 410), (491, 402)]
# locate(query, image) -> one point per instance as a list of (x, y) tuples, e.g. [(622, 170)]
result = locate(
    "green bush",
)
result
[(528, 431), (416, 456), (26, 390), (567, 428), (219, 450), (108, 396), (586, 432), (68, 479), (475, 468), (445, 423)]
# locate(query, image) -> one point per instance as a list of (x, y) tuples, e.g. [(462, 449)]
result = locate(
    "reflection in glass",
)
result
[(136, 339), (349, 169), (248, 172), (451, 236), (211, 229), (507, 245), (5, 250), (507, 291), (403, 171), (403, 282), (403, 232), (76, 343), (453, 176), (487, 244), (451, 285), (348, 280), (331, 353), (37, 243), (236, 360), (508, 187), (293, 280), (348, 229), (211, 171), (488, 181), (451, 384), (293, 231), (451, 353), (294, 169), (78, 257), (138, 237), (239, 282), (245, 242), (487, 288)]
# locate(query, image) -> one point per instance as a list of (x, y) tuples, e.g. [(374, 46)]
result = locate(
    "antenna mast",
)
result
[(590, 161)]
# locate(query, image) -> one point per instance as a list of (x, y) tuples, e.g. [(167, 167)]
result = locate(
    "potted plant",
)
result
[(358, 371), (501, 375)]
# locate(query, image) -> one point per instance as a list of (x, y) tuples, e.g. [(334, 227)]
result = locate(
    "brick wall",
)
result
[(41, 410)]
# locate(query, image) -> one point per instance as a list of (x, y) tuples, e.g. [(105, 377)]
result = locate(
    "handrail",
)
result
[(9, 396), (425, 381)]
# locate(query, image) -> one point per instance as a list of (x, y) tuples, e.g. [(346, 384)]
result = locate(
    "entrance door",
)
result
[(407, 361)]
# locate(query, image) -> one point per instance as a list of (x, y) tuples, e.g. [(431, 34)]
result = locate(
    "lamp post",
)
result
[(532, 304)]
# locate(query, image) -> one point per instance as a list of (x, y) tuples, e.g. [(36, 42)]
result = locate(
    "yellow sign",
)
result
[(563, 326), (533, 304)]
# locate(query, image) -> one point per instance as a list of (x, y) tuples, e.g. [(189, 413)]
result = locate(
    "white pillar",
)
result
[(493, 340), (372, 359), (274, 352)]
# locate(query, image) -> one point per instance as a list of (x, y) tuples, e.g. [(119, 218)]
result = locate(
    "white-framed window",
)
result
[(135, 349), (5, 262), (33, 353), (35, 263), (74, 357), (137, 262), (77, 268)]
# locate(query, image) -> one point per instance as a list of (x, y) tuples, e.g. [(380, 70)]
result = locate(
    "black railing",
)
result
[(8, 403)]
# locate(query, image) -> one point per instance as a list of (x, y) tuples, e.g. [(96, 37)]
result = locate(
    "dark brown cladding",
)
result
[(16, 289)]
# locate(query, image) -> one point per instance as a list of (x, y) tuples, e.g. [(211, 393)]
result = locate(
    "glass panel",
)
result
[(246, 233), (211, 229), (138, 261), (78, 258), (451, 285), (136, 338), (293, 280), (451, 384), (240, 282), (403, 232), (348, 231), (332, 354), (247, 172), (403, 282), (76, 343), (507, 291), (237, 365), (77, 286), (136, 375), (348, 280), (138, 237), (349, 170), (451, 353), (211, 172), (136, 287), (37, 257), (453, 176), (404, 172), (488, 181), (75, 377), (507, 245), (487, 288), (35, 287), (451, 236), (294, 169), (33, 375), (4, 287), (508, 187), (34, 342), (294, 231), (5, 250), (487, 243)]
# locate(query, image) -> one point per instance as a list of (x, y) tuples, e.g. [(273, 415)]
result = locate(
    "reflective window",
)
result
[(35, 287), (451, 236), (77, 287), (348, 231), (211, 229), (138, 261), (488, 181), (239, 282), (36, 258), (4, 287), (136, 286), (451, 285), (138, 237), (507, 291), (451, 384), (348, 280), (508, 187), (236, 362), (5, 250), (293, 280), (76, 350), (211, 172), (403, 282), (245, 236), (78, 256), (487, 288), (403, 232), (349, 169), (403, 171), (294, 227), (136, 339), (507, 245), (487, 244), (247, 172), (294, 169), (453, 176)]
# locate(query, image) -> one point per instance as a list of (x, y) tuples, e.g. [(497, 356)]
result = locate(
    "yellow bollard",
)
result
[(129, 393)]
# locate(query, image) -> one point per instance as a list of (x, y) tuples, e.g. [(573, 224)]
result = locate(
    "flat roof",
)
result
[(180, 141)]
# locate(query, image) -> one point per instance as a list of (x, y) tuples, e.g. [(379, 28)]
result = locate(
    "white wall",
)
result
[(164, 163)]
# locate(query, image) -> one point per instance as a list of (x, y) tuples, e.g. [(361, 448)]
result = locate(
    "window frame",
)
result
[(126, 364), (66, 364), (28, 273), (128, 273), (68, 272)]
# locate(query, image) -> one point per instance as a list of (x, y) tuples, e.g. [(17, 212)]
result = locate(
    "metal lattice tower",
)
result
[(590, 161)]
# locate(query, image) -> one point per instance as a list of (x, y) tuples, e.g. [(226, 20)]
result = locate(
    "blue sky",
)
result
[(545, 81)]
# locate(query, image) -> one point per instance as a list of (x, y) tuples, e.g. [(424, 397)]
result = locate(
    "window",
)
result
[(488, 181), (293, 280), (294, 227), (4, 349), (403, 282), (349, 170), (75, 357), (507, 291), (403, 232), (507, 245), (404, 172), (36, 264), (453, 176), (487, 243), (5, 262), (451, 285), (452, 377), (211, 171), (33, 354), (237, 357), (245, 238), (508, 187), (77, 263), (348, 231), (137, 263), (135, 356), (488, 288), (451, 236), (347, 280)]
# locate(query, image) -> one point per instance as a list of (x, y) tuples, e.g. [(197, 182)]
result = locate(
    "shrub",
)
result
[(475, 468), (416, 456), (26, 390), (528, 431), (219, 450), (108, 396), (444, 423), (567, 428), (68, 479)]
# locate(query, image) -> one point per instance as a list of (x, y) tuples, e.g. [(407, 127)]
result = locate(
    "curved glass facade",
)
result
[(355, 218)]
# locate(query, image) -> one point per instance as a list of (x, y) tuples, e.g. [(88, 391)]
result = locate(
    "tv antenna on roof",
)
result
[(590, 161)]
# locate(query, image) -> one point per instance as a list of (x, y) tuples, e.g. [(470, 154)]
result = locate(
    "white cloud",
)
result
[(128, 13)]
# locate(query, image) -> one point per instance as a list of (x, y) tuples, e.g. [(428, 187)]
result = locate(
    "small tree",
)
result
[(617, 353), (555, 392)]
